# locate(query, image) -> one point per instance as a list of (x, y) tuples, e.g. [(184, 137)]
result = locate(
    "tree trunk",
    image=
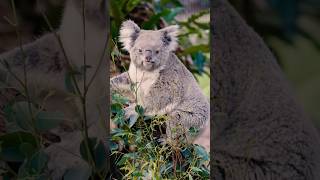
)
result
[(259, 130)]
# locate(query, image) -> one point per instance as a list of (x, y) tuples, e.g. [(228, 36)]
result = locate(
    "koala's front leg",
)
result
[(180, 121), (122, 84)]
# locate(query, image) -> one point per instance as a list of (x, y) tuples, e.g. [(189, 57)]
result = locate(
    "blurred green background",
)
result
[(291, 29)]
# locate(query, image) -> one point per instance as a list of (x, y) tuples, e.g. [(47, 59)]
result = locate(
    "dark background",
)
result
[(291, 29)]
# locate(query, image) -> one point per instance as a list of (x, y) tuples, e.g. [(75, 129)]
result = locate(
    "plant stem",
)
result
[(25, 80)]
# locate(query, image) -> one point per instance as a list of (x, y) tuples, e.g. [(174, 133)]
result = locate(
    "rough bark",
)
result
[(259, 130)]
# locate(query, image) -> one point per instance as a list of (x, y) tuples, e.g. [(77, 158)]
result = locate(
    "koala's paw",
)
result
[(130, 111)]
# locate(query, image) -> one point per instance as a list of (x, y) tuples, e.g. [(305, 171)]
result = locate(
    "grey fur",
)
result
[(259, 130), (166, 86)]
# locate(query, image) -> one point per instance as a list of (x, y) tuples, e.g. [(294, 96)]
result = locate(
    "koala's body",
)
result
[(164, 84)]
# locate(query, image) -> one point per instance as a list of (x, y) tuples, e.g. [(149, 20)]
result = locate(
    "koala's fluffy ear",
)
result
[(129, 32), (169, 38)]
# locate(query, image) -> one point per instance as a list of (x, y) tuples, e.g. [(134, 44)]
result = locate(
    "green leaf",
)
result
[(34, 166), (137, 174), (201, 152), (176, 3), (132, 4), (173, 13), (139, 136), (186, 153), (165, 168), (27, 149), (205, 172), (154, 20), (11, 145), (139, 109), (196, 170), (126, 157), (199, 61), (119, 119), (193, 131), (123, 160), (113, 146), (100, 156), (115, 108), (82, 172), (97, 151), (132, 120), (48, 120), (8, 113), (117, 98), (116, 13), (22, 115), (194, 49), (68, 82), (118, 132)]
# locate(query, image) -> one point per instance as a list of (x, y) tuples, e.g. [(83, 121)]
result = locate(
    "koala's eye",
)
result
[(140, 50), (157, 52)]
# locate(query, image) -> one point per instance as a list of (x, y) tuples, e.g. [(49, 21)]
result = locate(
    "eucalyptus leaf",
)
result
[(113, 146), (194, 49), (137, 174), (22, 113), (116, 107), (132, 119), (117, 98), (96, 150), (11, 146), (199, 61), (201, 152), (27, 149), (48, 120), (132, 4), (196, 170), (35, 166), (173, 13), (123, 160), (139, 109), (176, 3)]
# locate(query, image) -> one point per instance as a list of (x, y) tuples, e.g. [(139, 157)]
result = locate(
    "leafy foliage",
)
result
[(136, 144)]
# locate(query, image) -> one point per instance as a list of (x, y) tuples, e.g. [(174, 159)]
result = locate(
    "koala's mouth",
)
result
[(149, 61), (148, 65)]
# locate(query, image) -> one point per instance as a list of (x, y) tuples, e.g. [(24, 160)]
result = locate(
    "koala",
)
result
[(164, 85), (47, 70)]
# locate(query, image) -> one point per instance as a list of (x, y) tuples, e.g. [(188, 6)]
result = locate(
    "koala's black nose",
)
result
[(148, 58)]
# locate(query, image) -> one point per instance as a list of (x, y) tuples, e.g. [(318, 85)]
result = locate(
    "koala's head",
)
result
[(149, 49)]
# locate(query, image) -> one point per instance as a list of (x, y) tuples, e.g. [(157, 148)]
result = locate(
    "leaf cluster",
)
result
[(138, 149)]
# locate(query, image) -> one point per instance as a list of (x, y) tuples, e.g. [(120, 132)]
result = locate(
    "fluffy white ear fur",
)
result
[(170, 34), (129, 32)]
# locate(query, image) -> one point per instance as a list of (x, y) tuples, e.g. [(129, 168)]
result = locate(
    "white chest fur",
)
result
[(143, 80)]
